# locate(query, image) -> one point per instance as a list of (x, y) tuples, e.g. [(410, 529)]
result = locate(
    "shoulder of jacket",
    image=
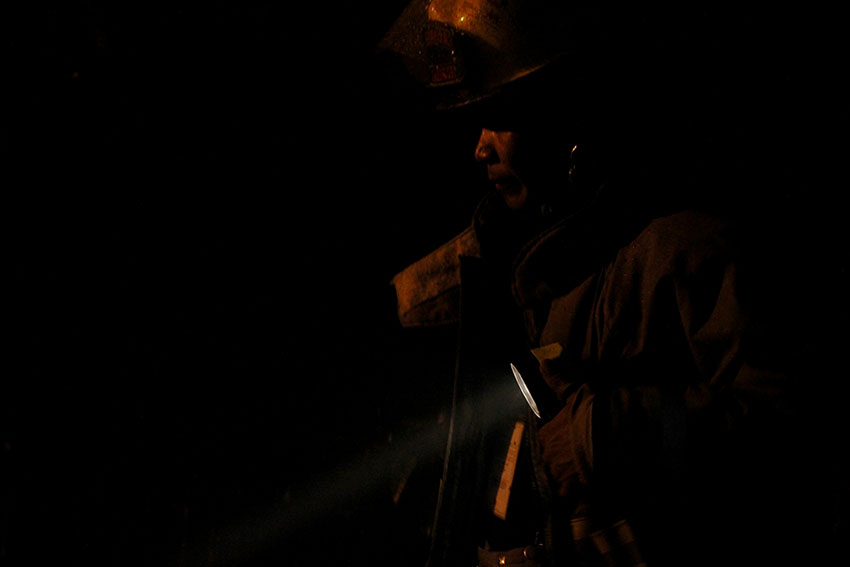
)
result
[(685, 230), (427, 290), (682, 241)]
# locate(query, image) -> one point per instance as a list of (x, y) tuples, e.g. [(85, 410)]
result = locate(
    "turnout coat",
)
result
[(674, 426)]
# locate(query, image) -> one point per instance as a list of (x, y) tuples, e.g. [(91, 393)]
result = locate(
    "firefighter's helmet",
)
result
[(469, 50)]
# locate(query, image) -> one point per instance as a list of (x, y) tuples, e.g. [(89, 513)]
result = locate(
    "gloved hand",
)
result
[(566, 445)]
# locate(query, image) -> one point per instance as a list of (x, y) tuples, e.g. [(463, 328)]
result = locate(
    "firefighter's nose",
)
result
[(485, 151)]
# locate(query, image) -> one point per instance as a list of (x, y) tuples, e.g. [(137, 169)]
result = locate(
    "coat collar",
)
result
[(560, 258)]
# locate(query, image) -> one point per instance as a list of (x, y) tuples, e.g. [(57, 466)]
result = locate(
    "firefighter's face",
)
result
[(525, 166), (497, 149)]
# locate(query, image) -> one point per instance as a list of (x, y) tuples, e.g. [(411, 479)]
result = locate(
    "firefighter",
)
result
[(609, 268)]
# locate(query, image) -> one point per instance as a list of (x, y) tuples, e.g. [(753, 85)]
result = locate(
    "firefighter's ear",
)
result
[(580, 167), (585, 174)]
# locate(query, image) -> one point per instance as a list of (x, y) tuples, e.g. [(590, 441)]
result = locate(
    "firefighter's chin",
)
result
[(514, 194)]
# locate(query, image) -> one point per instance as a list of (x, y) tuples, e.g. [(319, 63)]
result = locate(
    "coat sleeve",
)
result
[(707, 394)]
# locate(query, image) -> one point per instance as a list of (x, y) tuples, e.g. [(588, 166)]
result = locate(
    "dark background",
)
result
[(205, 203)]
